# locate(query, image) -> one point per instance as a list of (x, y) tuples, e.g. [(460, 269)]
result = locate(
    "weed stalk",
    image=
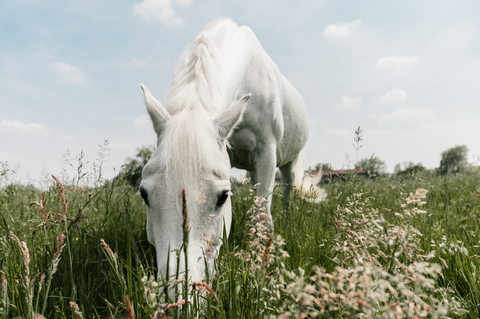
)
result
[(185, 251)]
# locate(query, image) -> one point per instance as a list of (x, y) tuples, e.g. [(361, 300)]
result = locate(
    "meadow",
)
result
[(387, 247)]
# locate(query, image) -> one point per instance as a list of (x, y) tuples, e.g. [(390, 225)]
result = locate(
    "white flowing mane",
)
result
[(197, 77), (189, 137)]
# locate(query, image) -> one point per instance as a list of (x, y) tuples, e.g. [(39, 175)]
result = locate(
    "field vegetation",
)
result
[(401, 246)]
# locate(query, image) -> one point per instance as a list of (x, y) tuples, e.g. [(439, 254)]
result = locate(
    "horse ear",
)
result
[(157, 112), (229, 118)]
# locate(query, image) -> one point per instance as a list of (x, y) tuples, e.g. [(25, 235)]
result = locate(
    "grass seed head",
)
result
[(76, 309)]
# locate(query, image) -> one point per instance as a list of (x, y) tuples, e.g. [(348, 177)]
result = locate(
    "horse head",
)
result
[(191, 154)]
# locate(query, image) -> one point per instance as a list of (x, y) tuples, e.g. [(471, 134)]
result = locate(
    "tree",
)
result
[(454, 160), (131, 171), (372, 166), (410, 169)]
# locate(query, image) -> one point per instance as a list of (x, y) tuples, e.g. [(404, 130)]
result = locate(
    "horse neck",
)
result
[(234, 63)]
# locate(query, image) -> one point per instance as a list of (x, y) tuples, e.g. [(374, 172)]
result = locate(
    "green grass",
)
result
[(98, 282)]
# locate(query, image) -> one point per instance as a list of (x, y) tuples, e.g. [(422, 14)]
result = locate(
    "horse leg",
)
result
[(263, 172), (252, 176), (286, 172)]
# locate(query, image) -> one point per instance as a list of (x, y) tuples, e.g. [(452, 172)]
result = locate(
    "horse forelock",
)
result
[(190, 150), (198, 76)]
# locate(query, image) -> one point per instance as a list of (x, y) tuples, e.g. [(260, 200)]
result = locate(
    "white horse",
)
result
[(209, 127)]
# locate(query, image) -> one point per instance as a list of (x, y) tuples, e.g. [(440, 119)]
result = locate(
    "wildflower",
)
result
[(17, 240), (244, 180), (26, 257), (42, 279), (107, 248), (41, 207), (4, 289), (150, 290), (266, 256), (205, 287), (363, 285), (56, 256), (76, 309), (177, 304), (62, 194), (129, 308)]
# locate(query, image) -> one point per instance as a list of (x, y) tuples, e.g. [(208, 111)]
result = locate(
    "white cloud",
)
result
[(159, 10), (143, 122), (341, 30), (394, 96), (406, 115), (349, 103), (17, 126), (395, 62), (69, 72)]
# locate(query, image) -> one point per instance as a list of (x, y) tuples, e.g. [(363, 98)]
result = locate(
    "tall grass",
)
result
[(81, 252)]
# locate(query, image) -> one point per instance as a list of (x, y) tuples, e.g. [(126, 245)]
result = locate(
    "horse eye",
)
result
[(144, 195), (222, 198)]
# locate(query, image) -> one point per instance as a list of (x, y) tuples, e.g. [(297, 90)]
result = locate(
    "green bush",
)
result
[(454, 160), (131, 171)]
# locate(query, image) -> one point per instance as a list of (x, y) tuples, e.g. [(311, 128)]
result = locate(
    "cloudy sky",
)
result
[(406, 72)]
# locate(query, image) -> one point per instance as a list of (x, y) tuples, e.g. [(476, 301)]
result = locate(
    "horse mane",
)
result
[(197, 77), (189, 137)]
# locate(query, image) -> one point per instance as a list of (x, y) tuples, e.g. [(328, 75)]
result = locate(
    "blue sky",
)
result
[(406, 71)]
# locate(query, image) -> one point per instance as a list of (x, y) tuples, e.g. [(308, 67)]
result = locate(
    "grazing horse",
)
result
[(229, 105)]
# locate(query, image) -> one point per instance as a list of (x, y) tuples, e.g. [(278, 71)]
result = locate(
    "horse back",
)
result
[(276, 115)]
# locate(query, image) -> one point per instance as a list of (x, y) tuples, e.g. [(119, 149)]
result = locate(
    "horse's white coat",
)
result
[(205, 114)]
